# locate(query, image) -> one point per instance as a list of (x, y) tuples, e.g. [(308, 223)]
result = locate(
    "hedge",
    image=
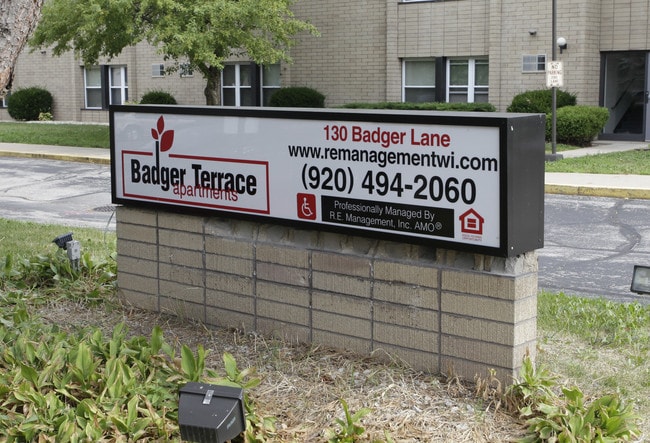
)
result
[(577, 125), (29, 103), (297, 97), (540, 101), (157, 97), (430, 106)]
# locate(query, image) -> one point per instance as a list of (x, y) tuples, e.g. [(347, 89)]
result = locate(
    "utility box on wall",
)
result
[(410, 233)]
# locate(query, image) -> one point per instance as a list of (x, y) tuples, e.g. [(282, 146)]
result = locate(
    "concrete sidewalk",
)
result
[(602, 185)]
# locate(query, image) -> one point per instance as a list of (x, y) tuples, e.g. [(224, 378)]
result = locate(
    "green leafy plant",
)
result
[(567, 418), (29, 103), (540, 101), (297, 97), (348, 429), (157, 97), (94, 279), (83, 386), (534, 385), (606, 419), (429, 106), (45, 117), (578, 125)]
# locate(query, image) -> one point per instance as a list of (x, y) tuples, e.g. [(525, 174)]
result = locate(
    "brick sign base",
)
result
[(440, 311)]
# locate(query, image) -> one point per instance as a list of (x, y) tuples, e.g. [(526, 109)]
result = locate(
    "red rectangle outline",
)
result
[(197, 204)]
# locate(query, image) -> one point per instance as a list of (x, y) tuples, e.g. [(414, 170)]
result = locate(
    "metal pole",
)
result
[(554, 89)]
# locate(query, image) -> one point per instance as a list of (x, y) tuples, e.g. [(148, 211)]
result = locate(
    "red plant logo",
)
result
[(164, 139)]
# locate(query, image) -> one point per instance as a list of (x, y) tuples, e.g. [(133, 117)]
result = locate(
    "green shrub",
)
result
[(158, 98), (29, 103), (540, 101), (577, 125), (430, 106), (297, 97)]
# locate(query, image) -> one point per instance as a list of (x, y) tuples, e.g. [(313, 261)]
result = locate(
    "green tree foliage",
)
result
[(203, 32)]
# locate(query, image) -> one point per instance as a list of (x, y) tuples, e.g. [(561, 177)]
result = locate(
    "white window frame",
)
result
[(419, 86), (471, 87), (157, 70), (106, 86), (268, 89), (237, 87), (93, 87), (533, 63), (123, 87)]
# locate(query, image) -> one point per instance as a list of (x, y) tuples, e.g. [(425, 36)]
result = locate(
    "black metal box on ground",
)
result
[(210, 413)]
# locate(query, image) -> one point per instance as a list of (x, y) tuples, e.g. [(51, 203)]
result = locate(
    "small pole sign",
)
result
[(408, 176), (554, 74)]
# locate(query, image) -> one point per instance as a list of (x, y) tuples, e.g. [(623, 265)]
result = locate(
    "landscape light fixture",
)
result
[(210, 413), (641, 280), (73, 248), (62, 240), (562, 44)]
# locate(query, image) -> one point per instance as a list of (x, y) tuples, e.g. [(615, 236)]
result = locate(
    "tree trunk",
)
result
[(18, 18), (212, 91)]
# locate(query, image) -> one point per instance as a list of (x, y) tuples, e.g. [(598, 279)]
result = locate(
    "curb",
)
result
[(70, 158), (590, 191)]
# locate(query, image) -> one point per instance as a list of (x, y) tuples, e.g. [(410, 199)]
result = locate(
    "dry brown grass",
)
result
[(301, 385)]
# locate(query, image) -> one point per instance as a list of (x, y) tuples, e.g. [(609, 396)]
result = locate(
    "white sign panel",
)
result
[(554, 74), (428, 181)]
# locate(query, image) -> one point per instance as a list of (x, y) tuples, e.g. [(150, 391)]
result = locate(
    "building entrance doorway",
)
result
[(625, 93)]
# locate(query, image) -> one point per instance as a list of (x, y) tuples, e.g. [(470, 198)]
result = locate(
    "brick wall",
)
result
[(438, 310), (347, 63)]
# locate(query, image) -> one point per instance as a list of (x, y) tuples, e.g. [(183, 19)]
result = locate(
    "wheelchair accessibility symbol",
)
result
[(306, 205)]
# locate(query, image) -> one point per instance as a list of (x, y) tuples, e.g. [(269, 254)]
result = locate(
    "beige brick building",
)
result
[(399, 50)]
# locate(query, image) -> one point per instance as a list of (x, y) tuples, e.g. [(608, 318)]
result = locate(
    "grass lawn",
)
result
[(629, 162), (40, 133), (26, 239)]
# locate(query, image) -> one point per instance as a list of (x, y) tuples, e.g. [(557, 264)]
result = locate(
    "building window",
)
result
[(419, 81), (467, 80), (236, 87), (118, 85), (186, 70), (158, 70), (105, 85), (5, 100), (533, 63), (93, 85), (270, 82), (247, 84)]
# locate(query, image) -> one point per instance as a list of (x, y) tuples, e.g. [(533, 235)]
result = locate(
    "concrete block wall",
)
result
[(440, 311), (347, 62)]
